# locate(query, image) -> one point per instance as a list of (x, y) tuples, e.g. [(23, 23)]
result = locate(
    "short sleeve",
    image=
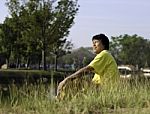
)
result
[(98, 64)]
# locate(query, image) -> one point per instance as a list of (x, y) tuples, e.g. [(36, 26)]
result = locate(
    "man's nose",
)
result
[(93, 44)]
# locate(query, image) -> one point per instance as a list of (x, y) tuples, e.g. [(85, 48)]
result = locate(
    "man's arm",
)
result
[(74, 75), (80, 72)]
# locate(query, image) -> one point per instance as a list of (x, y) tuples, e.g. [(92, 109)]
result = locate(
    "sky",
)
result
[(110, 17)]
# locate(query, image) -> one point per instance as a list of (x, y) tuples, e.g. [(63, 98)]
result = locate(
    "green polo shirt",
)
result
[(105, 68)]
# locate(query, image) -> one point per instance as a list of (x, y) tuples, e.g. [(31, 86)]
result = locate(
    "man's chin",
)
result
[(94, 51)]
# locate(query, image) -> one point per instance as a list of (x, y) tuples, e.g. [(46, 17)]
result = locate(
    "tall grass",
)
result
[(81, 97)]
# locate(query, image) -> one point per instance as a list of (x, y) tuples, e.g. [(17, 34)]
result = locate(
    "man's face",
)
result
[(97, 46)]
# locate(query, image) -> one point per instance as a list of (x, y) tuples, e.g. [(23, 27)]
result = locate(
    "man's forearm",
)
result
[(80, 72)]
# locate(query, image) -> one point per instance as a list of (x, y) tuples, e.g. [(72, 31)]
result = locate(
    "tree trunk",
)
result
[(39, 62), (18, 62), (44, 60), (7, 62), (28, 62), (56, 57)]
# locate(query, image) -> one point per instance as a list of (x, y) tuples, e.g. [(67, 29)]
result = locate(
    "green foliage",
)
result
[(36, 25), (125, 48)]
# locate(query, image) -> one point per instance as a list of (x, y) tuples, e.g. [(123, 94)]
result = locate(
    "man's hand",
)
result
[(60, 87)]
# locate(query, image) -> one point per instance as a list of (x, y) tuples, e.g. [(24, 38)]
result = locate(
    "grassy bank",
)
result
[(128, 97)]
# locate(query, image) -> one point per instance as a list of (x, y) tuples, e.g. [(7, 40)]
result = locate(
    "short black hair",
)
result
[(104, 39)]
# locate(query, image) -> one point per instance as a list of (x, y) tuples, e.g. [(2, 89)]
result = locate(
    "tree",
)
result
[(6, 39), (115, 48), (63, 20), (78, 57), (16, 25), (61, 48), (49, 22), (126, 48)]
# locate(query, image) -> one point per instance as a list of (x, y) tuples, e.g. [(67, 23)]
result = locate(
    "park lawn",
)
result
[(128, 97)]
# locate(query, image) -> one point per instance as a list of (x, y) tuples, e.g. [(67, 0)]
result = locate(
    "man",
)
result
[(103, 65)]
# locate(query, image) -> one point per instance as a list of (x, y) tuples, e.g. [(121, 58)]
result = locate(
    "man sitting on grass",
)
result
[(103, 65)]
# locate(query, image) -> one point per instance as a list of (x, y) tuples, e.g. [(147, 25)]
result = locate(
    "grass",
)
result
[(82, 97)]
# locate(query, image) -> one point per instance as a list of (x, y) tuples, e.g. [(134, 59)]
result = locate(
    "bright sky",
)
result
[(111, 17)]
